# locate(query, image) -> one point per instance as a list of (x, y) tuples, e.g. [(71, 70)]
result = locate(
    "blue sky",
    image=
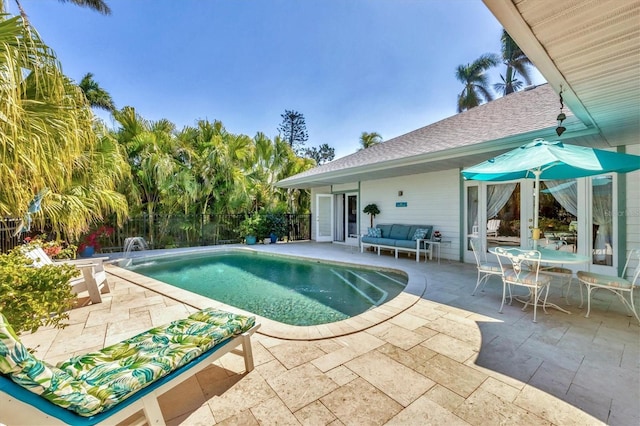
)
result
[(348, 65)]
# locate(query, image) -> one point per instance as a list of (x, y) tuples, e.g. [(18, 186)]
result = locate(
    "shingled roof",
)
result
[(461, 140)]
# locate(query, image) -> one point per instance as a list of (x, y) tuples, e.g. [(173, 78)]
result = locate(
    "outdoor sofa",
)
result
[(398, 237), (110, 385)]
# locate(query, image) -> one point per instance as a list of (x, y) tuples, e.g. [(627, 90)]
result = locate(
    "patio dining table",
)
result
[(553, 257)]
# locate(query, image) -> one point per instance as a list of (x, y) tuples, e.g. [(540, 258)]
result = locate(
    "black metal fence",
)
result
[(164, 231), (8, 237)]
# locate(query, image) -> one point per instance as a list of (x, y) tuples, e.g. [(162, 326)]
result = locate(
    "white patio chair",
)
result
[(522, 268), (492, 227), (93, 278), (486, 269), (617, 285)]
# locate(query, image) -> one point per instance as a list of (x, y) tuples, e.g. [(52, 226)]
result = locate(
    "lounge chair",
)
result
[(93, 278), (108, 386), (492, 227)]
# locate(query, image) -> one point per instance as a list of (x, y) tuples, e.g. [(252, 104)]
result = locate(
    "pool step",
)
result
[(357, 278)]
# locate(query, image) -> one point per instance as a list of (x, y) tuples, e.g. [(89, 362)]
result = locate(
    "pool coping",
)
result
[(415, 289)]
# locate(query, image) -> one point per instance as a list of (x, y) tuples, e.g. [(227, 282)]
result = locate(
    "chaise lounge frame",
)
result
[(27, 408)]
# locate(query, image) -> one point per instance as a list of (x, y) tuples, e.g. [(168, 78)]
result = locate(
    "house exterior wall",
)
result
[(633, 204), (431, 199), (434, 199)]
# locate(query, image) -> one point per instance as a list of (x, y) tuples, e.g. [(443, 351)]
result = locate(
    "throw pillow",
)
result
[(420, 234), (374, 232)]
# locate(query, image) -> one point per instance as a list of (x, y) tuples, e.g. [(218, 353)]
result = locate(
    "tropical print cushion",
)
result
[(94, 382), (58, 387), (118, 371), (13, 354), (237, 324), (420, 234), (374, 232), (41, 378)]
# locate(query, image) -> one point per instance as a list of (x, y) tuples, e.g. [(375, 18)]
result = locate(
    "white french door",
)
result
[(324, 217)]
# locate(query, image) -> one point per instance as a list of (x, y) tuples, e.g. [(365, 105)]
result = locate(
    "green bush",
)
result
[(252, 225), (276, 223), (32, 297)]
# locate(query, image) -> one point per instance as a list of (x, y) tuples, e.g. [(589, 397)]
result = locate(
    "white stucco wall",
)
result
[(432, 199)]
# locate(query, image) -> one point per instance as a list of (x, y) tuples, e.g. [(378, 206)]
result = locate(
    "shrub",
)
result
[(96, 238), (276, 223), (252, 225), (32, 297), (55, 249)]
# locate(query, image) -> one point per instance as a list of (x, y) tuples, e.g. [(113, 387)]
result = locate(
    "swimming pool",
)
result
[(288, 290)]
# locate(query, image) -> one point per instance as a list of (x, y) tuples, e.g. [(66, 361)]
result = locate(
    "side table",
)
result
[(437, 245)]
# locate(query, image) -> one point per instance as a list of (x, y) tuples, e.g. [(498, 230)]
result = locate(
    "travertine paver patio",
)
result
[(448, 359)]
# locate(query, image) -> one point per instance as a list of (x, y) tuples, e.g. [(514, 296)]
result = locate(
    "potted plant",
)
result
[(372, 210), (93, 241), (276, 224), (250, 228)]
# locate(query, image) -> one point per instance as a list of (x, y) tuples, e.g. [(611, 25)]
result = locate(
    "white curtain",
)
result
[(497, 197), (338, 219), (602, 217), (566, 193), (472, 208)]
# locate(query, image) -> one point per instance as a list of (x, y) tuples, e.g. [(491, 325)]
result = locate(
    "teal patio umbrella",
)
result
[(543, 160)]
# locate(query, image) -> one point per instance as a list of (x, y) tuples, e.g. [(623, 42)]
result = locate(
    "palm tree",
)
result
[(97, 5), (369, 139), (476, 87), (516, 62), (96, 95), (49, 139)]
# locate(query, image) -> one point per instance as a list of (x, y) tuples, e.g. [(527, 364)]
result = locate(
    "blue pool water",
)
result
[(292, 291)]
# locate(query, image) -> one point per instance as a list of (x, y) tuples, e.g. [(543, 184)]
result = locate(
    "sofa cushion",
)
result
[(411, 244), (386, 242), (399, 232), (406, 244), (371, 240), (386, 230)]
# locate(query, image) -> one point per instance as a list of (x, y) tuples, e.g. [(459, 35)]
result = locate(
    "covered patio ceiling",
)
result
[(590, 49)]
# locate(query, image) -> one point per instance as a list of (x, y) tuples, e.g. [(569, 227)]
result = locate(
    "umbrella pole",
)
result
[(536, 209)]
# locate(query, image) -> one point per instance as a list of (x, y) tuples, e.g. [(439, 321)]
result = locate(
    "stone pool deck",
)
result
[(439, 356)]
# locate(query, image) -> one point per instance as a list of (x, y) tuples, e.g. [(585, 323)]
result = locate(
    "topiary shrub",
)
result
[(372, 210), (32, 297)]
